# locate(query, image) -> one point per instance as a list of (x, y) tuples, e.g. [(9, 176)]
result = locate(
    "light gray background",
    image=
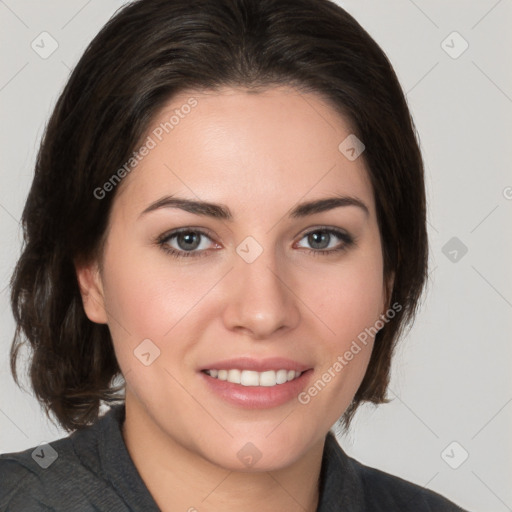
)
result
[(451, 378)]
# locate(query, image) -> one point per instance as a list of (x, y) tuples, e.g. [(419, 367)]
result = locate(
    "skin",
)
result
[(259, 155)]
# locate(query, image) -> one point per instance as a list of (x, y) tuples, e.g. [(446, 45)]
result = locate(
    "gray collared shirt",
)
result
[(91, 471)]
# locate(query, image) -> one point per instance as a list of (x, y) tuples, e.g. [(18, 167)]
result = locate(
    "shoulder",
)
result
[(62, 474), (394, 493), (346, 480), (26, 477)]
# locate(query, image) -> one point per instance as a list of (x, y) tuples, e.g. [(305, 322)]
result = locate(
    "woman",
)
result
[(228, 212)]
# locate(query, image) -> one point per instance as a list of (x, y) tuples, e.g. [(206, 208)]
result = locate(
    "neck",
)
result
[(181, 480)]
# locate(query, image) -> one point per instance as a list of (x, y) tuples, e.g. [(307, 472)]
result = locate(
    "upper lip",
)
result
[(257, 365)]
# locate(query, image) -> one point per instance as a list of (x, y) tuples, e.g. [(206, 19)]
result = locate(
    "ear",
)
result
[(91, 289)]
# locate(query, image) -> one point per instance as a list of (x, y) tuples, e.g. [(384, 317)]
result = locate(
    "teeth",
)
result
[(281, 376), (268, 378), (234, 376), (251, 378)]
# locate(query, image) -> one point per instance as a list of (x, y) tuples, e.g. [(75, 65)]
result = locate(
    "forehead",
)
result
[(235, 146)]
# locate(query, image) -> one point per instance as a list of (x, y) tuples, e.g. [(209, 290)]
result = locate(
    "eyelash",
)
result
[(164, 239)]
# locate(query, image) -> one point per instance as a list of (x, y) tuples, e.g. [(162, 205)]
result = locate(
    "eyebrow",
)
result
[(219, 211)]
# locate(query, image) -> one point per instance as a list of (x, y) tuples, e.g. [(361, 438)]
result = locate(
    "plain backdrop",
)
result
[(449, 422)]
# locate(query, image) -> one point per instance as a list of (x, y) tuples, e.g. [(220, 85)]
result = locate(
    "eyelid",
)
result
[(209, 234), (176, 231), (314, 229)]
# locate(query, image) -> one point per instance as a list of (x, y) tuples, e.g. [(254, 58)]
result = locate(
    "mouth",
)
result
[(251, 378), (256, 383)]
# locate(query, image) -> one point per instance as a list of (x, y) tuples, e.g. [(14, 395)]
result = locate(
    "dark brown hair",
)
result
[(148, 52)]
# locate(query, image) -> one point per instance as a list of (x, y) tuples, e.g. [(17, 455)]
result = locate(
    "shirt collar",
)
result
[(339, 484), (118, 465)]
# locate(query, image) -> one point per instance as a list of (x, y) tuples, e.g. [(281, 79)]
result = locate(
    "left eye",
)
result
[(326, 239)]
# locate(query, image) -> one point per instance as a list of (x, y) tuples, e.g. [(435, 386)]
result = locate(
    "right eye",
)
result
[(184, 243)]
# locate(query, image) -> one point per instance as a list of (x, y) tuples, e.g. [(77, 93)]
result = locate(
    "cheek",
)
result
[(147, 296), (350, 310), (350, 300), (148, 301)]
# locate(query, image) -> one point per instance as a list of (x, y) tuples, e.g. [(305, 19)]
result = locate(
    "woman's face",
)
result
[(271, 273)]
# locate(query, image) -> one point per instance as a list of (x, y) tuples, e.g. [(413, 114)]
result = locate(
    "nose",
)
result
[(261, 299)]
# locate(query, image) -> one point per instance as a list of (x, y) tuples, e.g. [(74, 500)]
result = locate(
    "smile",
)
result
[(252, 378)]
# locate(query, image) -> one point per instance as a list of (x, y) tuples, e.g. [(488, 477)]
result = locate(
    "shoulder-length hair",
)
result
[(148, 52)]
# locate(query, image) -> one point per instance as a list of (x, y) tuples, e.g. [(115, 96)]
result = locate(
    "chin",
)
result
[(259, 451)]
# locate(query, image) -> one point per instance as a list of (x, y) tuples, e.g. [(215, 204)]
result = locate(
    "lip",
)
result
[(257, 365), (257, 397)]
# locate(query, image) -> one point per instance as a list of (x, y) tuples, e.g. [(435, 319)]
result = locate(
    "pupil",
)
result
[(319, 240), (188, 241)]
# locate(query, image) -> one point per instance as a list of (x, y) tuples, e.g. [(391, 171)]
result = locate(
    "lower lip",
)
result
[(257, 397)]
